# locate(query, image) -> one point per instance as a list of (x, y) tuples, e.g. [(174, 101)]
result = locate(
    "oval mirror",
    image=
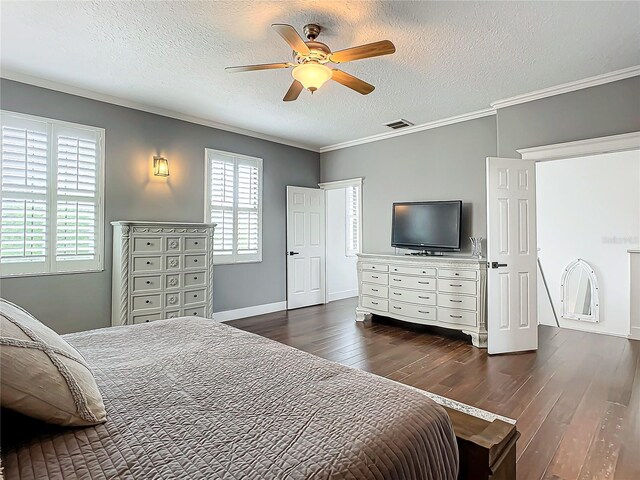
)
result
[(580, 292)]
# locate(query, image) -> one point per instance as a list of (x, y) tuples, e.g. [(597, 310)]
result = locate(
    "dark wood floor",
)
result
[(576, 400)]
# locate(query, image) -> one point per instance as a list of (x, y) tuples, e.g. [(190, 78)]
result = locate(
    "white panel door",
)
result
[(512, 322), (305, 247)]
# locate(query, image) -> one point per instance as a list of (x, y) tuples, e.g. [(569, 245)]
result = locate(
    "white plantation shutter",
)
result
[(51, 205), (235, 205), (353, 220)]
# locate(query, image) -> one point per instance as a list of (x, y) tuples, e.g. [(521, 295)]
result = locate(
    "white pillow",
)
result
[(42, 375)]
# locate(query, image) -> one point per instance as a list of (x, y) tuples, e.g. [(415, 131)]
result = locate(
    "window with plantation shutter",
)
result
[(51, 197), (352, 220), (234, 200)]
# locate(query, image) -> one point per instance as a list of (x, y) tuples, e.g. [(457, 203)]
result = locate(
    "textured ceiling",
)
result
[(451, 58)]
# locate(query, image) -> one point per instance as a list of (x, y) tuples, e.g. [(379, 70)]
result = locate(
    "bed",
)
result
[(192, 398)]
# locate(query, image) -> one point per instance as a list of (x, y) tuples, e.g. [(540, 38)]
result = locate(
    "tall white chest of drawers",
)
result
[(444, 291), (161, 270)]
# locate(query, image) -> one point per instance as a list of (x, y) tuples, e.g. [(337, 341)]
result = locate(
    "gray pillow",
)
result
[(42, 375)]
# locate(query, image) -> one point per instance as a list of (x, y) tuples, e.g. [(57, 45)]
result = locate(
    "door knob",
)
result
[(294, 253), (497, 265)]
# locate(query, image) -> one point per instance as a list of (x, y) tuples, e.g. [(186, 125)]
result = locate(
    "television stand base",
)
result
[(425, 253)]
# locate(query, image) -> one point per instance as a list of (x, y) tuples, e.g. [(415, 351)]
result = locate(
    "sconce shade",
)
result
[(160, 167)]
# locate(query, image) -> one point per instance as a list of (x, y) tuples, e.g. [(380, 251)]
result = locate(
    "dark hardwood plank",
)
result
[(576, 400)]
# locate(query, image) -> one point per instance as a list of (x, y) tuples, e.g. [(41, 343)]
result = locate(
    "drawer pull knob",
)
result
[(147, 321), (195, 278), (195, 260), (424, 298), (148, 243), (455, 316), (424, 271), (148, 282), (195, 296), (373, 276), (456, 274), (148, 263), (375, 303), (397, 308), (454, 285), (396, 293), (422, 311), (147, 301), (455, 301), (195, 314), (195, 243), (424, 283), (397, 280), (374, 289)]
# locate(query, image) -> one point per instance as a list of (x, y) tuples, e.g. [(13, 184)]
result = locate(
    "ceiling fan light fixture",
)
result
[(312, 75)]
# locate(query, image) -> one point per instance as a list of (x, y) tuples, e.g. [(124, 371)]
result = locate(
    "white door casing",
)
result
[(305, 247), (512, 254)]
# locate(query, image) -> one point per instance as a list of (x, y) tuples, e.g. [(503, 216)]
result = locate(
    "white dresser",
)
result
[(161, 270), (445, 291)]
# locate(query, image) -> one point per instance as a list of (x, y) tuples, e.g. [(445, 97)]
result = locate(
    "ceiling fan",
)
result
[(310, 58)]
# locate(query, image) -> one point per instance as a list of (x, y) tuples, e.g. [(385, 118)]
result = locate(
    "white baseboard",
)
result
[(249, 311), (635, 333), (332, 297)]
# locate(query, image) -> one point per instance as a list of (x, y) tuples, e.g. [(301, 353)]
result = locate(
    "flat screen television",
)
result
[(427, 226)]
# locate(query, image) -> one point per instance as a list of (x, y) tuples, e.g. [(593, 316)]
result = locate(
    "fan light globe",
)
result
[(312, 75)]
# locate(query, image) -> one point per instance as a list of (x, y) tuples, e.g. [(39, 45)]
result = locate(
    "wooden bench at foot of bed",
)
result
[(487, 449)]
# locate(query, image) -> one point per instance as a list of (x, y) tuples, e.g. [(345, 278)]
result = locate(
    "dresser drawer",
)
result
[(147, 264), (195, 261), (195, 244), (419, 283), (424, 312), (412, 296), (194, 296), (172, 281), (375, 290), (146, 302), (375, 266), (147, 244), (431, 272), (172, 299), (464, 274), (457, 317), (468, 287), (457, 301), (146, 318), (193, 311), (375, 304), (142, 284), (194, 279), (375, 277)]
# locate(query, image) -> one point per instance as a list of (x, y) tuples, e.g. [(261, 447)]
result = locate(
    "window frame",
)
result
[(51, 265), (235, 257)]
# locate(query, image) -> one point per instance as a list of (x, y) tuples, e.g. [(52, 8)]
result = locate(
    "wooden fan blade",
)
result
[(292, 37), (293, 92), (385, 47), (352, 82), (250, 68)]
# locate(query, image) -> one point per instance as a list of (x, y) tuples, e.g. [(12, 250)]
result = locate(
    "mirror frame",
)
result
[(595, 301)]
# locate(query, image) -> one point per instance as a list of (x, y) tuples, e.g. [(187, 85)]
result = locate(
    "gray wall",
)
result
[(449, 162), (82, 301), (608, 109), (446, 163)]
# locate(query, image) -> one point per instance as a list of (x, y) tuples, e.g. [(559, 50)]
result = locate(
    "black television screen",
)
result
[(433, 226)]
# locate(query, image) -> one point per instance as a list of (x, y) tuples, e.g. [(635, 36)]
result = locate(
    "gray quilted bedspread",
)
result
[(191, 398)]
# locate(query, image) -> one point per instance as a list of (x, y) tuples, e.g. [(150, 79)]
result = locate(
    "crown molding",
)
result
[(580, 148), (101, 97), (568, 87), (413, 129)]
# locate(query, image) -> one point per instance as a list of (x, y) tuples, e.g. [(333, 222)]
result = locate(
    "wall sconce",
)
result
[(160, 167)]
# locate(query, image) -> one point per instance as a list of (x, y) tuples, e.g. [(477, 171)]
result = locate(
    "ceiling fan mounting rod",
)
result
[(311, 31)]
